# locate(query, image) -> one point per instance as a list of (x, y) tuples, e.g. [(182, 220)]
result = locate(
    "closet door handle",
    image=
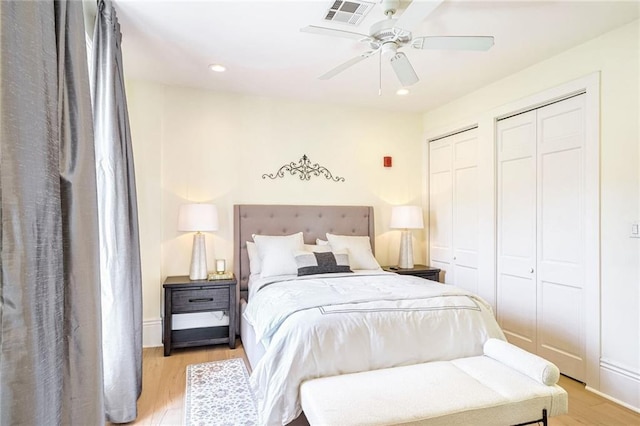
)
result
[(531, 270)]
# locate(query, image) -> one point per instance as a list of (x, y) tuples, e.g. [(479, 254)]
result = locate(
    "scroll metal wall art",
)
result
[(304, 169)]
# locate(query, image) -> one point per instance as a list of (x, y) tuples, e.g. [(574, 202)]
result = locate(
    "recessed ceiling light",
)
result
[(402, 92), (217, 68)]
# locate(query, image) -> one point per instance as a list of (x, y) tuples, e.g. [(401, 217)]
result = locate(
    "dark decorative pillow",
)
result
[(310, 263)]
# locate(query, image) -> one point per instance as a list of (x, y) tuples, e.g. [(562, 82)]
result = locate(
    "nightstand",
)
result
[(183, 296), (422, 271)]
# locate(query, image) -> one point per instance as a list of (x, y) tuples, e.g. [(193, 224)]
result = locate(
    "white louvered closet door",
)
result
[(453, 201), (541, 237)]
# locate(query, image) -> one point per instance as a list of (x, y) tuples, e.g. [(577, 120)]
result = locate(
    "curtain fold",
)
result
[(50, 334), (118, 222)]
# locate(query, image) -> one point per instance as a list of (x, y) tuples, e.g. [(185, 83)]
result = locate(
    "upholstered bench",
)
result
[(505, 386)]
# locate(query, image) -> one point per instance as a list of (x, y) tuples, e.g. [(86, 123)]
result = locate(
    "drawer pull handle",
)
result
[(203, 299)]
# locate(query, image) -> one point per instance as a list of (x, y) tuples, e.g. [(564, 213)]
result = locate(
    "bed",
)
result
[(325, 324)]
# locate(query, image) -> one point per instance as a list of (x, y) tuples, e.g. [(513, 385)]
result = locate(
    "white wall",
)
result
[(616, 56), (145, 116), (200, 146)]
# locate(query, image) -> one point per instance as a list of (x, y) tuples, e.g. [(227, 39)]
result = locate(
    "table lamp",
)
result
[(405, 218), (198, 218)]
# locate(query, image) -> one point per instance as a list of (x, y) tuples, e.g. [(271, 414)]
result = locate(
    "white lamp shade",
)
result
[(406, 217), (197, 217)]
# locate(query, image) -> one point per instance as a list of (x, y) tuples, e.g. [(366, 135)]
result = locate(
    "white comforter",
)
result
[(327, 325)]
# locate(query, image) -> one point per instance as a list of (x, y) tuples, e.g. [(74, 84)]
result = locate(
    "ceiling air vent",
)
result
[(348, 12)]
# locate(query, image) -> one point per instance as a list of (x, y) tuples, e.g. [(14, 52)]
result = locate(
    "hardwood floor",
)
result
[(163, 386), (164, 380)]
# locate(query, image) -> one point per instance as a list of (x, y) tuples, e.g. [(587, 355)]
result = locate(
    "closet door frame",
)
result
[(487, 175)]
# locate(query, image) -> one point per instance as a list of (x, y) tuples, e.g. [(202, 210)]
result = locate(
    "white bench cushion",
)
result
[(532, 365), (477, 390)]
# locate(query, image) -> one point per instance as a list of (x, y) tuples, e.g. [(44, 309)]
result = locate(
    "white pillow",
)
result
[(255, 266), (322, 242), (277, 253), (318, 248), (359, 249)]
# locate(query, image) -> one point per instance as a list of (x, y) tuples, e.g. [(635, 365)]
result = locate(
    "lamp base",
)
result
[(405, 260), (198, 269)]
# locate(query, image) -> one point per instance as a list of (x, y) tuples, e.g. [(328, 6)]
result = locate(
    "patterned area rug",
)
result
[(218, 393)]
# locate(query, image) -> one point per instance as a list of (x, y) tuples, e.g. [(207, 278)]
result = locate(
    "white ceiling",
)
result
[(265, 53)]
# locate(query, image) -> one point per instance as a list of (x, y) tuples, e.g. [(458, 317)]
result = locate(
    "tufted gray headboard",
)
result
[(313, 221)]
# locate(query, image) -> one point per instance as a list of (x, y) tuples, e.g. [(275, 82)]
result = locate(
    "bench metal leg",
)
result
[(543, 420)]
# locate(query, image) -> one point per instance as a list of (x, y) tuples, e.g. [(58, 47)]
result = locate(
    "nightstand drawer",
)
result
[(196, 300), (433, 276)]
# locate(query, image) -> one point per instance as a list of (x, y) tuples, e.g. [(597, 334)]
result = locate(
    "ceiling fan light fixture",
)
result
[(388, 50), (217, 68), (403, 91)]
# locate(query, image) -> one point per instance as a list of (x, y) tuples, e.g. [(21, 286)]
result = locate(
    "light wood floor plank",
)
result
[(164, 380)]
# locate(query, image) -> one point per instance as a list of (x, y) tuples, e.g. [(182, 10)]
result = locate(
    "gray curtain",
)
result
[(118, 221), (50, 342)]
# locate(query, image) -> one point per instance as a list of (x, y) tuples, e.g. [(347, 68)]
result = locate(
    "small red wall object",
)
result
[(387, 161)]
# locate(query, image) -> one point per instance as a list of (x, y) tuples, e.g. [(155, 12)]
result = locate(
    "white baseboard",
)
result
[(152, 333), (619, 384)]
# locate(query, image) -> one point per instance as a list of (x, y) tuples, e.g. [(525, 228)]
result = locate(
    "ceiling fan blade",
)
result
[(453, 42), (337, 70), (415, 13), (312, 29), (403, 69)]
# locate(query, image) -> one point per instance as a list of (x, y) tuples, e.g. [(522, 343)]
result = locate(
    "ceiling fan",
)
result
[(386, 37)]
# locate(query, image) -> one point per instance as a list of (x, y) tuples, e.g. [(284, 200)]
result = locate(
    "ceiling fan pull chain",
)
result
[(380, 74)]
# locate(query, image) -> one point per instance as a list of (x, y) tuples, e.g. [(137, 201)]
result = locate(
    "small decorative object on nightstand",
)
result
[(422, 271), (220, 266), (183, 296)]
